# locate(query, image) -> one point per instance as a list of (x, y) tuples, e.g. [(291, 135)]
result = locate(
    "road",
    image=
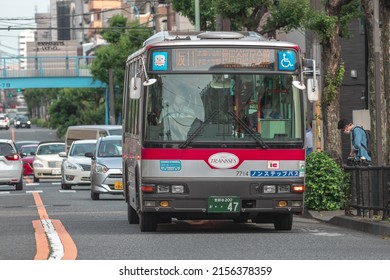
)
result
[(98, 230)]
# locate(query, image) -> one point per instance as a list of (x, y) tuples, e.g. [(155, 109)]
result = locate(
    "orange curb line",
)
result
[(41, 241), (70, 249)]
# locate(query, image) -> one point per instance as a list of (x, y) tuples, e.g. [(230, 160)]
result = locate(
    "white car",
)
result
[(47, 162), (4, 121), (76, 167), (11, 168)]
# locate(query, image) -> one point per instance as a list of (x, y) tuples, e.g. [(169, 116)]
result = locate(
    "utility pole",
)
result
[(111, 97), (377, 79), (197, 16)]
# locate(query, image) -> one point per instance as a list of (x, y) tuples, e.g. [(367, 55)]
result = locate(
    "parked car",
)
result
[(21, 143), (76, 167), (27, 152), (106, 167), (47, 162), (23, 121), (4, 121), (11, 168)]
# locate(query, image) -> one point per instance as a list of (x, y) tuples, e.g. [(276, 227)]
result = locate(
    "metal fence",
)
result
[(370, 190)]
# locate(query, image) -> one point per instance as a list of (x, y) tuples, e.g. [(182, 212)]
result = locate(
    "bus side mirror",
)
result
[(312, 90), (135, 88)]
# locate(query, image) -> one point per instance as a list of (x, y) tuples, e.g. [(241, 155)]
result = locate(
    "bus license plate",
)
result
[(223, 204), (118, 185)]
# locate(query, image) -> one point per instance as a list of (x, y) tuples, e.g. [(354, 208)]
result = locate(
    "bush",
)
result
[(326, 183)]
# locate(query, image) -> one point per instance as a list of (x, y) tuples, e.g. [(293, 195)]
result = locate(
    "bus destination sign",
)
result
[(208, 59)]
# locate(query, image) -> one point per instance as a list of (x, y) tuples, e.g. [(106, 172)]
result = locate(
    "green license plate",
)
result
[(223, 204)]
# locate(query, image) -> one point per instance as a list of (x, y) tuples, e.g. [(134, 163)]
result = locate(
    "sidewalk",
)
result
[(351, 221)]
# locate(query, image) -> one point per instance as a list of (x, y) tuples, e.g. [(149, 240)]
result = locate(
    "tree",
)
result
[(383, 92), (75, 107)]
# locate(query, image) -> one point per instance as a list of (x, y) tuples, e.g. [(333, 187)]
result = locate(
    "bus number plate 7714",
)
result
[(223, 204)]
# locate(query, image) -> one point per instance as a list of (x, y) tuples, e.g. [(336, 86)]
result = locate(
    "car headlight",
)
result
[(28, 122), (37, 164), (99, 168), (18, 122), (69, 165)]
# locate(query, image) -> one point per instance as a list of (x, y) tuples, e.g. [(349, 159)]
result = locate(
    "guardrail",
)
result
[(370, 190), (45, 66)]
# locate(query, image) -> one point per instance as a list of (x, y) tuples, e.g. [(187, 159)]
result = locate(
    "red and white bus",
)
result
[(214, 128)]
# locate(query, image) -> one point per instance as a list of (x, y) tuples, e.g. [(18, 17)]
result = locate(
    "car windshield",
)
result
[(28, 150), (80, 149), (110, 148), (49, 149)]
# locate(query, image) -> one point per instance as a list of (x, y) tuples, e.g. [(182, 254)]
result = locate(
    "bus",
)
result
[(214, 128)]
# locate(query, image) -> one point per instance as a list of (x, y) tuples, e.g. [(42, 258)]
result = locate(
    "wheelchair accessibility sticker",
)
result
[(160, 61), (286, 61)]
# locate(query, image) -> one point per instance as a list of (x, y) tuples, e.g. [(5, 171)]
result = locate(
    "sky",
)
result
[(16, 9)]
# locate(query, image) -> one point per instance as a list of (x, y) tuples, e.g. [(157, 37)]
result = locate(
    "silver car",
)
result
[(106, 167), (76, 167), (11, 167)]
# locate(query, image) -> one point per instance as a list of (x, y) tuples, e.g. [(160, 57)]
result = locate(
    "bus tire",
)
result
[(132, 215), (147, 222), (283, 221)]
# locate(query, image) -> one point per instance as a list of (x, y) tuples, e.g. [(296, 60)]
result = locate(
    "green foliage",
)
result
[(321, 23), (288, 15), (326, 183), (114, 35), (76, 107), (333, 83), (206, 12)]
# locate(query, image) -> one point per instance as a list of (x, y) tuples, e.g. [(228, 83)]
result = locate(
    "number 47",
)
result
[(232, 207)]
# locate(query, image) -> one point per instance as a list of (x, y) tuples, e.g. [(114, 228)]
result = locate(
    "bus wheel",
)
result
[(283, 221), (132, 215), (147, 222)]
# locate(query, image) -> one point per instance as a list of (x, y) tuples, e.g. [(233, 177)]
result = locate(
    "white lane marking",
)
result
[(32, 184), (56, 183), (35, 191), (57, 250), (2, 193), (318, 232), (67, 191)]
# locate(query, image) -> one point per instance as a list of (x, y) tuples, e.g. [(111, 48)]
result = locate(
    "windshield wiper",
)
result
[(196, 132), (257, 137)]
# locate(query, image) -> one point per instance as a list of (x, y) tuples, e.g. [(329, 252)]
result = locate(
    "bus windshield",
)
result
[(223, 109)]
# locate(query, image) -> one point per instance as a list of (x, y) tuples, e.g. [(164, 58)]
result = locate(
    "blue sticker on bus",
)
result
[(170, 165), (286, 60), (160, 61), (266, 173)]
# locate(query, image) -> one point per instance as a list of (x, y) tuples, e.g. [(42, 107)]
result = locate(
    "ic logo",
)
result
[(273, 164)]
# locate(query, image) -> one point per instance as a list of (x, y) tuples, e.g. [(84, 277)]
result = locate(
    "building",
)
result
[(24, 37)]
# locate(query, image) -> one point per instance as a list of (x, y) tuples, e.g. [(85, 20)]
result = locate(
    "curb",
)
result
[(361, 225)]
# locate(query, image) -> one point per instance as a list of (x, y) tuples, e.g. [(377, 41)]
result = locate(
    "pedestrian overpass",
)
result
[(50, 72), (47, 72)]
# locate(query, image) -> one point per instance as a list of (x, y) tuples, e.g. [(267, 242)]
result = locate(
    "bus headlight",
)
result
[(269, 189), (177, 189), (162, 189)]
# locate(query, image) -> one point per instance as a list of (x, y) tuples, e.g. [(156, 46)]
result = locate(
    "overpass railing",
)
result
[(46, 66)]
